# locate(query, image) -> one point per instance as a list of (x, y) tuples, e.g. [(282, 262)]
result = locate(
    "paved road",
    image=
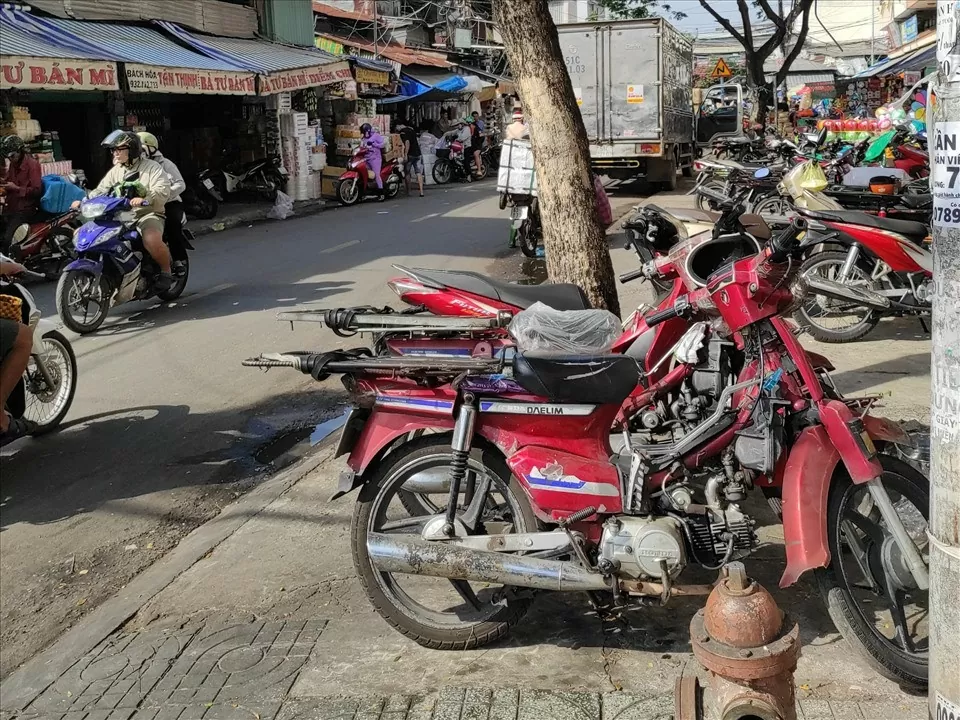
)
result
[(166, 426)]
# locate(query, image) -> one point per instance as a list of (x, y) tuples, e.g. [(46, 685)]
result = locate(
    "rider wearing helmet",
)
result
[(22, 184), (373, 140), (173, 227), (125, 147)]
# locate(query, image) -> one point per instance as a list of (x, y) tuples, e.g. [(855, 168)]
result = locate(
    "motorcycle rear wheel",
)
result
[(815, 311), (206, 206), (77, 287), (179, 285), (861, 614), (527, 239), (705, 203), (392, 188), (475, 613)]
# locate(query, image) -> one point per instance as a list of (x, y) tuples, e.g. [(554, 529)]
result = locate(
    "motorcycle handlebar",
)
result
[(786, 241), (679, 308), (632, 275)]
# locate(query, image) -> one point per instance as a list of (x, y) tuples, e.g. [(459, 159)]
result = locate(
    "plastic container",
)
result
[(883, 185)]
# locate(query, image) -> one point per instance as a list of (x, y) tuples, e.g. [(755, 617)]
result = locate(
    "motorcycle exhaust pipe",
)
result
[(404, 554), (838, 291)]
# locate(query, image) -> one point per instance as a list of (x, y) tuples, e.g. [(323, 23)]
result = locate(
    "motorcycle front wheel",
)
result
[(48, 402), (870, 593), (832, 321), (348, 192), (442, 171), (435, 612), (83, 300)]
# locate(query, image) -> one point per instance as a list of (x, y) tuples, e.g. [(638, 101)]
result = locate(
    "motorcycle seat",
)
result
[(912, 230), (594, 379), (560, 296), (917, 202), (754, 224)]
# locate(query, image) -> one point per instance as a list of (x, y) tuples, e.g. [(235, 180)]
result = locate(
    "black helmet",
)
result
[(366, 128), (10, 145), (124, 138)]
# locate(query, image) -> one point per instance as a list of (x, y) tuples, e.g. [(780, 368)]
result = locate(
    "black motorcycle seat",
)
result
[(912, 230), (561, 296), (917, 202), (595, 379)]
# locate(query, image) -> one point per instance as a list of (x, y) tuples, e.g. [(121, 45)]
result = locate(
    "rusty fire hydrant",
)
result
[(750, 650)]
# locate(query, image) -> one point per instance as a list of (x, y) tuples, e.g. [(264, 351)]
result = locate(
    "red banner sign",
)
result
[(305, 77), (148, 78), (32, 73)]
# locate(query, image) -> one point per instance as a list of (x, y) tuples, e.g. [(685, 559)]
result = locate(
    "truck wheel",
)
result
[(686, 165), (671, 183)]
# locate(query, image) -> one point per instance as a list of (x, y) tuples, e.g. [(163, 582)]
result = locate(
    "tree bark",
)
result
[(575, 243)]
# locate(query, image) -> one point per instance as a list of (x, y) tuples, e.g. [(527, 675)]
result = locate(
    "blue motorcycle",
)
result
[(112, 266)]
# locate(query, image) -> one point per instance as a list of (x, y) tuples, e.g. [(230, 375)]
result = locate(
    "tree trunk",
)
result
[(576, 244)]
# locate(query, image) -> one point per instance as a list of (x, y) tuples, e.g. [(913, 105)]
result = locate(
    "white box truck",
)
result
[(633, 80)]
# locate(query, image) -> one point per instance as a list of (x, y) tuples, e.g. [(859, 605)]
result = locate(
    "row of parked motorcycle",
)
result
[(879, 233), (509, 440)]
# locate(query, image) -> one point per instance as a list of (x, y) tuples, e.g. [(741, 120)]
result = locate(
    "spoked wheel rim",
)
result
[(439, 602), (442, 172), (872, 571), (773, 206), (835, 315), (46, 402), (83, 290), (705, 203)]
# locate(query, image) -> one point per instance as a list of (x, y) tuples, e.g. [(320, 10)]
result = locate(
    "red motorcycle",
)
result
[(483, 480), (358, 182), (46, 246), (889, 263)]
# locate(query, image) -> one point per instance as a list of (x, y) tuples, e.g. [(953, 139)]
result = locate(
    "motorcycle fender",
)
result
[(851, 439), (43, 327), (806, 481), (380, 430), (806, 487), (94, 267)]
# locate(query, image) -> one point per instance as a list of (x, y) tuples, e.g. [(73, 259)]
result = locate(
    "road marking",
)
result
[(210, 291), (341, 246), (426, 217)]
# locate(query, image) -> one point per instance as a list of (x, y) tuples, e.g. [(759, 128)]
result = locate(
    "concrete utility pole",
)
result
[(944, 620)]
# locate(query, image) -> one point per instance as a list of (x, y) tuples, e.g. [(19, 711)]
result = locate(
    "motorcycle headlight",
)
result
[(91, 210)]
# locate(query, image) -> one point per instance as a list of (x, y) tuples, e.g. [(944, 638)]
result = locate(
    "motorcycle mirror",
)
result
[(762, 173)]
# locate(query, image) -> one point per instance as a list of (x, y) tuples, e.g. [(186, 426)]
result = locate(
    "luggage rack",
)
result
[(359, 361), (347, 322)]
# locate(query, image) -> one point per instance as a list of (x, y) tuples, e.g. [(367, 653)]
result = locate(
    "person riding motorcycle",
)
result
[(126, 149), (375, 142), (173, 227)]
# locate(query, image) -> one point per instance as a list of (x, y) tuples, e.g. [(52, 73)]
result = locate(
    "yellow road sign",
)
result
[(721, 70)]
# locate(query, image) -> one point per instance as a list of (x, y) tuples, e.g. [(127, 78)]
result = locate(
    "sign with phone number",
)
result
[(946, 710), (946, 174)]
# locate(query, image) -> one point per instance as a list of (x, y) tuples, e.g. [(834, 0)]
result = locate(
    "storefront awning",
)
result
[(917, 60), (428, 86), (152, 61), (878, 69), (31, 63), (282, 68)]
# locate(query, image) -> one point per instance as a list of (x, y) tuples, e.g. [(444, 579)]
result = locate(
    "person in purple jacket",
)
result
[(373, 140)]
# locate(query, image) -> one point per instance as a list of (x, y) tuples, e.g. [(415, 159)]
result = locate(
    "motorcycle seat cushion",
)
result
[(595, 379), (907, 228), (917, 202), (560, 296)]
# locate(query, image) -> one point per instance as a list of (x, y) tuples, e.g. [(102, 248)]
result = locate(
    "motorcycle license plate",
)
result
[(282, 171), (208, 183), (519, 212)]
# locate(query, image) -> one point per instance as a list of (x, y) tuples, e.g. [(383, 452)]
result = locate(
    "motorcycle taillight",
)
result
[(406, 286)]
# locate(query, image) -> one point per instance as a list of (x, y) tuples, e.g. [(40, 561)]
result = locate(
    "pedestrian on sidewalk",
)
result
[(413, 155)]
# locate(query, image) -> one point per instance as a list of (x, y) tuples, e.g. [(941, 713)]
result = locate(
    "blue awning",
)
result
[(878, 69), (917, 60), (427, 87), (256, 55), (109, 41), (19, 42)]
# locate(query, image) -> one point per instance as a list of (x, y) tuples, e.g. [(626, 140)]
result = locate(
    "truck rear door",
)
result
[(632, 59), (581, 50)]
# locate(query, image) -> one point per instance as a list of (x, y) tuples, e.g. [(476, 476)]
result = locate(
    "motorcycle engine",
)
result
[(643, 547)]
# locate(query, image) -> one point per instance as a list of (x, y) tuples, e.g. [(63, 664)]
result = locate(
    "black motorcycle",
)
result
[(201, 199), (264, 178)]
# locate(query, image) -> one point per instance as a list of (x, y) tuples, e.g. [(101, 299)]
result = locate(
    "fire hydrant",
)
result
[(750, 651)]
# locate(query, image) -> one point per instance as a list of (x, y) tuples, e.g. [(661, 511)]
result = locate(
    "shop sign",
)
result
[(328, 45), (909, 29), (31, 73), (305, 78), (946, 174), (149, 78), (372, 77)]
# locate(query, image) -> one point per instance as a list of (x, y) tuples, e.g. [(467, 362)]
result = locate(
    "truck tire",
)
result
[(686, 163), (670, 184)]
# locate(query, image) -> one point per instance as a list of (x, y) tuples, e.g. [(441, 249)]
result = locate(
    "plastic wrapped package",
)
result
[(516, 174), (541, 329)]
